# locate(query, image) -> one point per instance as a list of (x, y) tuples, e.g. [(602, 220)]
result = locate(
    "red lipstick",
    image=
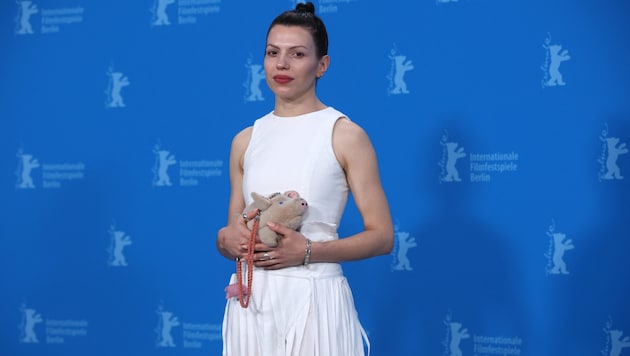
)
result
[(282, 79)]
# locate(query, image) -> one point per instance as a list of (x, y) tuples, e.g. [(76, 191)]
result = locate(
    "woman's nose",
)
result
[(282, 63)]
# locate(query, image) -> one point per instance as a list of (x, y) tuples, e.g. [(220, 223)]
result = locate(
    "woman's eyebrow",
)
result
[(292, 47)]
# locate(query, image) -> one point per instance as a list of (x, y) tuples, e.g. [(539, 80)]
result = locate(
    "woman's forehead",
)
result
[(289, 36)]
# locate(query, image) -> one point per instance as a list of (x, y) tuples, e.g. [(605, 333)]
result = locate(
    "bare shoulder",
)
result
[(239, 146), (348, 132), (241, 139), (350, 141)]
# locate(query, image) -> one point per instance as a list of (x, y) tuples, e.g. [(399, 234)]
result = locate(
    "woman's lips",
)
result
[(282, 79)]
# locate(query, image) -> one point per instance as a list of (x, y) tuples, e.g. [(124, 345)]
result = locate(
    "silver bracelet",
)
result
[(307, 253)]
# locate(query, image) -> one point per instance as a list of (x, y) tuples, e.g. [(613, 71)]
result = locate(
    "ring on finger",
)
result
[(267, 256), (244, 216)]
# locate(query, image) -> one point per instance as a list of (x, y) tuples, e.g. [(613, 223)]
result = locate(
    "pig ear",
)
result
[(291, 194), (260, 201)]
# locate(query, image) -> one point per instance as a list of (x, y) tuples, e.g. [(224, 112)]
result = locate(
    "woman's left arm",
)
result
[(357, 157)]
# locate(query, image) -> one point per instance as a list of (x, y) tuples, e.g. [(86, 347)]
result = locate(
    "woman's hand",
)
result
[(289, 251), (232, 240)]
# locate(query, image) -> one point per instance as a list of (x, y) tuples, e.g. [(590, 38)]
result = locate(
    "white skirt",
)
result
[(297, 311)]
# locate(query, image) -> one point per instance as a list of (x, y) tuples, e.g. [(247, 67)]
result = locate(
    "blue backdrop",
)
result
[(501, 129)]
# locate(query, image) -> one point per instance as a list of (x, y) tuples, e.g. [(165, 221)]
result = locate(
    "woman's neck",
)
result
[(287, 109)]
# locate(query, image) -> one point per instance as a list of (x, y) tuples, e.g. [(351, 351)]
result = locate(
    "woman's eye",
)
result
[(299, 54)]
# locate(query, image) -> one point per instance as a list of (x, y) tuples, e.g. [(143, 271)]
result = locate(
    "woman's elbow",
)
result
[(387, 242)]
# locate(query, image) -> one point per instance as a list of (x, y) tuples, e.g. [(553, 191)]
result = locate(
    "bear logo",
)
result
[(453, 153), (555, 55), (614, 150), (617, 343), (117, 81), (167, 321), (255, 75), (457, 335), (26, 164), (119, 240), (558, 246), (404, 242), (164, 159), (159, 12), (401, 66), (30, 318), (26, 10)]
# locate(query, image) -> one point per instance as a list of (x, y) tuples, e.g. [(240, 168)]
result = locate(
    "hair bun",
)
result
[(305, 7)]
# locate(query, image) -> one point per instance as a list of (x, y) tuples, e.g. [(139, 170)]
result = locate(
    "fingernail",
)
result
[(270, 224)]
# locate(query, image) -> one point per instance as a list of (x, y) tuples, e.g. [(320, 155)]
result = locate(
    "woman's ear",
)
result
[(324, 63)]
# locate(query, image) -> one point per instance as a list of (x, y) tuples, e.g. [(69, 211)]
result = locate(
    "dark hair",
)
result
[(304, 16)]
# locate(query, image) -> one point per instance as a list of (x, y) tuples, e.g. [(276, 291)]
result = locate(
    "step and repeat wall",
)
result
[(502, 131)]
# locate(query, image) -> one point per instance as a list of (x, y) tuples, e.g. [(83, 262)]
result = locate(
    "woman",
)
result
[(301, 303)]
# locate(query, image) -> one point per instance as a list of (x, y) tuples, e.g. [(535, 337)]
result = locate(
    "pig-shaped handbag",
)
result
[(285, 209)]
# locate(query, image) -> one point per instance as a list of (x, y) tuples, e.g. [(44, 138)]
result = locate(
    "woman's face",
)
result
[(291, 63)]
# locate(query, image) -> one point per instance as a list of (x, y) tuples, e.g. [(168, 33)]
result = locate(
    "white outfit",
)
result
[(297, 311)]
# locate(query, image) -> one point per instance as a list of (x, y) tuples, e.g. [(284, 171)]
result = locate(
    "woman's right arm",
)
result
[(232, 239)]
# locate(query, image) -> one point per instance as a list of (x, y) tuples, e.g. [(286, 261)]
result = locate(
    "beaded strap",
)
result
[(245, 292)]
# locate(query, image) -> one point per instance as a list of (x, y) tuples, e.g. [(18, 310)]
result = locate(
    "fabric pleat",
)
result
[(317, 319)]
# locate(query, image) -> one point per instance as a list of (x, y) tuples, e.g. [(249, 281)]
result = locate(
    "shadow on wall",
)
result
[(597, 296), (464, 281)]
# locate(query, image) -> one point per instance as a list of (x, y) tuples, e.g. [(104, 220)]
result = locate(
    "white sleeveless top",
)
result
[(305, 311), (296, 153)]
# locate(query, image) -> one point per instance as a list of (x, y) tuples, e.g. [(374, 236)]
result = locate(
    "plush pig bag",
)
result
[(285, 209)]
